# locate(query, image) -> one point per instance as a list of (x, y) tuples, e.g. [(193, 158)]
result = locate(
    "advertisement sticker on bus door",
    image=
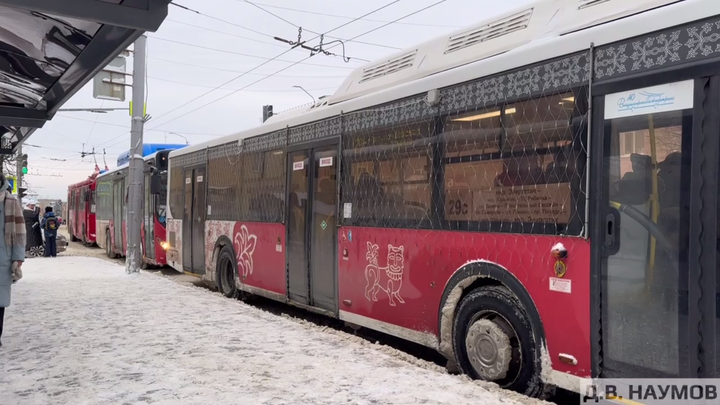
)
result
[(298, 166), (650, 100)]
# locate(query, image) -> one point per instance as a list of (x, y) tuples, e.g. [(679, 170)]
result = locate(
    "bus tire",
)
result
[(108, 246), (226, 271), (493, 341)]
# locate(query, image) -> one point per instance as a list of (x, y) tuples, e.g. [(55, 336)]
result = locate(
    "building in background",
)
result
[(58, 206)]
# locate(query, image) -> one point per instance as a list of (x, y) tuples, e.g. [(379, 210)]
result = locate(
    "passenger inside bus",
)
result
[(669, 173), (521, 171), (635, 186), (368, 194), (562, 169)]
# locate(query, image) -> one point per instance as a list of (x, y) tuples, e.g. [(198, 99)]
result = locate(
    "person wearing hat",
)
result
[(50, 225)]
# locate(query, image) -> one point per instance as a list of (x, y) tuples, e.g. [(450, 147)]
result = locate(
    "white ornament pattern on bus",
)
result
[(245, 244), (388, 278)]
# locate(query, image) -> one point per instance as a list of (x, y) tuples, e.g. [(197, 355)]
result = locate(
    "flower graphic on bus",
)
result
[(388, 278), (245, 243)]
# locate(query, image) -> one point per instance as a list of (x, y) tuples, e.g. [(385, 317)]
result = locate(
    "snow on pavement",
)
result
[(81, 331)]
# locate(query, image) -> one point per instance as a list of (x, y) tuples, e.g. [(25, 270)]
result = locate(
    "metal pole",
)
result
[(306, 92), (181, 136), (136, 177), (19, 173)]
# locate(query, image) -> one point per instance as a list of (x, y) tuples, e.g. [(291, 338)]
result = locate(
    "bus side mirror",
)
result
[(155, 183)]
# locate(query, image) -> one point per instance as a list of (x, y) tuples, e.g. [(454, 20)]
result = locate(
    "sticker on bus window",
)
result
[(560, 285), (298, 166), (188, 180), (326, 162), (650, 100), (209, 210), (199, 179), (347, 210)]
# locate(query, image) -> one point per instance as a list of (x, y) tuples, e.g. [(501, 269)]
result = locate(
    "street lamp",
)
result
[(181, 136), (300, 87)]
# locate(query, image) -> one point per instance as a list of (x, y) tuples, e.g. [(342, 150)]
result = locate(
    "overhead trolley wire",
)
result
[(240, 71), (296, 63), (246, 54), (350, 18), (258, 67), (279, 71), (252, 91), (264, 33)]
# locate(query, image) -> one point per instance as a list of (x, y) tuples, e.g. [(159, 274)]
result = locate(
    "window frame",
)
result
[(577, 145), (577, 187)]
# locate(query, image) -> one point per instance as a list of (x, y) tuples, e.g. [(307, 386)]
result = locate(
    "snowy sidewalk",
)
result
[(84, 332)]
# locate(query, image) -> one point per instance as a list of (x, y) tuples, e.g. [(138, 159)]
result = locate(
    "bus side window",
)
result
[(512, 164)]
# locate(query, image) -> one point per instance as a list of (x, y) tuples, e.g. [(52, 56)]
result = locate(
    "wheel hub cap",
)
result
[(488, 349)]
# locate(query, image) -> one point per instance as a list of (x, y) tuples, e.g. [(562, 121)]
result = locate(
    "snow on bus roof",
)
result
[(538, 31), (125, 165)]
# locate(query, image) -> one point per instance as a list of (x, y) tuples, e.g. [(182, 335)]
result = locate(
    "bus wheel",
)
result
[(493, 341), (226, 272), (108, 246)]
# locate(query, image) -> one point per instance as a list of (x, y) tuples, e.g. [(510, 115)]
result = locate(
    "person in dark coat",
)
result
[(50, 225), (12, 231), (32, 226)]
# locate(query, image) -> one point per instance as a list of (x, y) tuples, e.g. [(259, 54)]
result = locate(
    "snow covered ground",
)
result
[(81, 331)]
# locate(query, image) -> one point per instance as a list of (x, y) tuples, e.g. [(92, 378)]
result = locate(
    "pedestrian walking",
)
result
[(50, 225), (12, 231)]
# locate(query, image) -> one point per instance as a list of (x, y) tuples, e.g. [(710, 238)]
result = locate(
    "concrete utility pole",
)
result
[(136, 178)]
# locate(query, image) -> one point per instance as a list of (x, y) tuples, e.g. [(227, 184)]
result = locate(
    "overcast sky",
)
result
[(181, 68)]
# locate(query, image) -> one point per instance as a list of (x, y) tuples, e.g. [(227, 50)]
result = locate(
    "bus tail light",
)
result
[(164, 245)]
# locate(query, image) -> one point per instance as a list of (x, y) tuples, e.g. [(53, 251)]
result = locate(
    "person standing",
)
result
[(12, 231), (32, 227), (50, 225)]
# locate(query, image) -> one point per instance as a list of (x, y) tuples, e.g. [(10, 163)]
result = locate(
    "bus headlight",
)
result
[(164, 245)]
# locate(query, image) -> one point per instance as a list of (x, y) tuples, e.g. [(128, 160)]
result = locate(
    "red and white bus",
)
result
[(535, 197), (111, 210), (81, 211)]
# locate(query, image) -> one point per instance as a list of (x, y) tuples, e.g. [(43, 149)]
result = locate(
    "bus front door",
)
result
[(312, 227), (645, 212)]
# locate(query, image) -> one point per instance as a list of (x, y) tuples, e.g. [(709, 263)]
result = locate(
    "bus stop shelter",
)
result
[(50, 49)]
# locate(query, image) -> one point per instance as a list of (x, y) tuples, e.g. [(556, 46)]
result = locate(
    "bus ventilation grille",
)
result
[(589, 3), (393, 65), (494, 30)]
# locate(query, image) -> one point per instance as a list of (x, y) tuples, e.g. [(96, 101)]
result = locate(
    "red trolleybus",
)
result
[(112, 201), (81, 211), (535, 197)]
